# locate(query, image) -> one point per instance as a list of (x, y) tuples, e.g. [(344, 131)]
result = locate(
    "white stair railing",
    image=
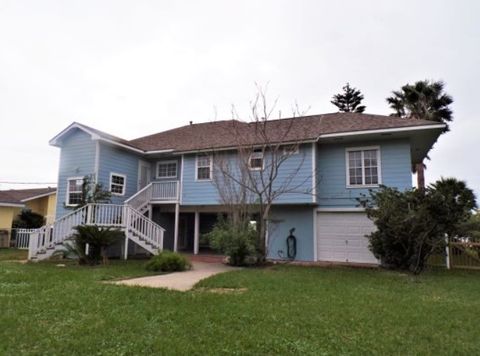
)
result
[(140, 229), (22, 238), (141, 198), (48, 236)]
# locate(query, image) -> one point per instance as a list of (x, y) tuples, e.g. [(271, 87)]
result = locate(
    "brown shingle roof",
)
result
[(221, 134), (15, 196)]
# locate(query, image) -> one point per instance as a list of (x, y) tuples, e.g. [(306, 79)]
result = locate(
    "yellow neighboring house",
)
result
[(41, 201)]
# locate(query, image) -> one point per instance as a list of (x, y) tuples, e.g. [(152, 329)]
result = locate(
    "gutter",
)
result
[(13, 205), (380, 131)]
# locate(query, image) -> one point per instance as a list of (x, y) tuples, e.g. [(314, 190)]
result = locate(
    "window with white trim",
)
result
[(167, 169), (204, 167), (255, 161), (117, 183), (363, 167), (74, 191)]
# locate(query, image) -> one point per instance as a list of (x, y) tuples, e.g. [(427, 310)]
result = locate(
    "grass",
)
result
[(283, 310), (11, 254)]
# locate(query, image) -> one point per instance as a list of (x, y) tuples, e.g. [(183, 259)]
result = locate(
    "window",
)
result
[(363, 167), (255, 161), (290, 150), (74, 191), (167, 169), (117, 183), (204, 167)]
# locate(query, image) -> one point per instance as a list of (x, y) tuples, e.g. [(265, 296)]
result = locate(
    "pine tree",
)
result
[(349, 100)]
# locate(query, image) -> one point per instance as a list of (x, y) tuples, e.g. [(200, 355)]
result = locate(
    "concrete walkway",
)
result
[(181, 281)]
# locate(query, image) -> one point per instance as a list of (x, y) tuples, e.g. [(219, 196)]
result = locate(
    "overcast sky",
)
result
[(133, 68)]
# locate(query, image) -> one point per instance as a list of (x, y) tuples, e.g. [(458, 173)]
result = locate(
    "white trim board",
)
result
[(314, 172), (340, 210), (97, 161), (96, 137), (181, 178), (315, 238), (377, 131), (11, 205)]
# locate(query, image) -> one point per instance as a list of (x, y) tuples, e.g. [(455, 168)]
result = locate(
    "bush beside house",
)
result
[(413, 225), (167, 261)]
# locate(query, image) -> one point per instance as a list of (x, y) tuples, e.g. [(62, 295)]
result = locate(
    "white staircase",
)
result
[(137, 227), (156, 192)]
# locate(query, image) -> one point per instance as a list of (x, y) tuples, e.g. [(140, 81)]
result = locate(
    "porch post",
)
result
[(175, 234), (127, 226), (196, 239), (447, 253)]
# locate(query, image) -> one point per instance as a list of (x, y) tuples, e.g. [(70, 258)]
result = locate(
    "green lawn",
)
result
[(10, 254), (285, 310)]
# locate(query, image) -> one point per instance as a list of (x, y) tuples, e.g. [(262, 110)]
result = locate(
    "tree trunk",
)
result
[(420, 169)]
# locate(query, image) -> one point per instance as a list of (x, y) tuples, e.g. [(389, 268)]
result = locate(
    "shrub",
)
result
[(236, 241), (412, 225), (167, 261), (27, 219), (98, 240)]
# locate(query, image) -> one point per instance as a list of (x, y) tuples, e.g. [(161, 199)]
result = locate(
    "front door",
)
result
[(144, 174)]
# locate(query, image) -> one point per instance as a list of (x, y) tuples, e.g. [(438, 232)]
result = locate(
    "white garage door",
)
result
[(341, 237)]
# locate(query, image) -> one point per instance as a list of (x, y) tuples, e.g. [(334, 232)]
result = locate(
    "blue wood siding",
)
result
[(118, 160), (332, 189), (77, 159), (204, 192), (298, 166), (284, 218), (196, 192)]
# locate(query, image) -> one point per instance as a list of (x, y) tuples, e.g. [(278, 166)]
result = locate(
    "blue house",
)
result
[(165, 195)]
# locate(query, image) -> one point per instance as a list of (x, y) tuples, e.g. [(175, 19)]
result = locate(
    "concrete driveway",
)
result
[(181, 281)]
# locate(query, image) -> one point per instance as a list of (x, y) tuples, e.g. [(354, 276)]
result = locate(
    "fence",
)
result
[(21, 238), (463, 252)]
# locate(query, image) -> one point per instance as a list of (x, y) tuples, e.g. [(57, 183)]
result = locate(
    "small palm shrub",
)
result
[(167, 261), (98, 240), (236, 241)]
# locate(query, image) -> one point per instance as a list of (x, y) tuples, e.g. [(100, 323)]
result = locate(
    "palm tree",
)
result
[(425, 100)]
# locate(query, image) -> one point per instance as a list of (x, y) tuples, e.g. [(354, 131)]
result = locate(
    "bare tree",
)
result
[(254, 176)]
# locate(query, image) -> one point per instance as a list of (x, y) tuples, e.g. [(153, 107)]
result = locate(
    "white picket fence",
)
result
[(22, 238)]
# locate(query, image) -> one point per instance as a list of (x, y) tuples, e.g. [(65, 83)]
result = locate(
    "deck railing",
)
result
[(165, 190), (22, 238), (136, 226), (168, 191)]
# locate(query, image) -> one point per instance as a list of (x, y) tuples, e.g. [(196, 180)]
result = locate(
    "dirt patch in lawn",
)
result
[(223, 290)]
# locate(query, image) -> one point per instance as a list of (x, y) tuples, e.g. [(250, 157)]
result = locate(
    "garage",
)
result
[(341, 237)]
